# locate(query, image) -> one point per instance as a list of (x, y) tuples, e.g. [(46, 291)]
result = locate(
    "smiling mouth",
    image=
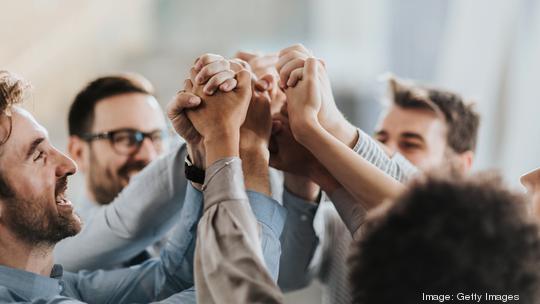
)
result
[(62, 201)]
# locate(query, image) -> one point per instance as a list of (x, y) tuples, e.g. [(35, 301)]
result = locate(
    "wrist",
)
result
[(196, 154), (343, 130), (325, 179), (255, 167), (220, 145)]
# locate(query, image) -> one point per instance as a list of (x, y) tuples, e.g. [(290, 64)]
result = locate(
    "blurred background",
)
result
[(488, 50)]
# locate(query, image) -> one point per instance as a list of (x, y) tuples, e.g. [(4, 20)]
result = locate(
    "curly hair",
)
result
[(13, 90), (448, 236)]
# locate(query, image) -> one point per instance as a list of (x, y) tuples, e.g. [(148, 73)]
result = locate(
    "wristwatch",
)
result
[(193, 173)]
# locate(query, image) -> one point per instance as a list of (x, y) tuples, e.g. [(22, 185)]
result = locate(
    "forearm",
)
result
[(364, 181), (255, 168), (227, 239)]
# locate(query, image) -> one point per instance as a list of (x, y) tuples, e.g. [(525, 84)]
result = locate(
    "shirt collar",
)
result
[(31, 285)]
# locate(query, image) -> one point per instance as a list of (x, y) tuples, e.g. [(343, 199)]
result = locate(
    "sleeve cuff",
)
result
[(224, 181)]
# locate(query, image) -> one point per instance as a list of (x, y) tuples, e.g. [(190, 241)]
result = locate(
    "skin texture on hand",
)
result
[(219, 117), (361, 179), (290, 64)]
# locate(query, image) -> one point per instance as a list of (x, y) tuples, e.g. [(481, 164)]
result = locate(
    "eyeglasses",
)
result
[(128, 141)]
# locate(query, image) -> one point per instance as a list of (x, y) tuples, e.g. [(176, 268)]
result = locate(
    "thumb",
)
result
[(244, 82)]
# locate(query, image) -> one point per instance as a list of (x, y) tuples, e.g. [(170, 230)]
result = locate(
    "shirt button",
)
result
[(303, 217)]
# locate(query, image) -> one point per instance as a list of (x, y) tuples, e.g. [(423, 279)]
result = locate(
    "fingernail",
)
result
[(199, 79), (225, 87), (193, 100)]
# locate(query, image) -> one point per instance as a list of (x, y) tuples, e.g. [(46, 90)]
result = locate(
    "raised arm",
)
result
[(364, 181), (229, 264)]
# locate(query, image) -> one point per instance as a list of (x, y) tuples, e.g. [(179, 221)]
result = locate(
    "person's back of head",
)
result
[(448, 237)]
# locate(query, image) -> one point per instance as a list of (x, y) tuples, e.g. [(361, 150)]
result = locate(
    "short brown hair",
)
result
[(81, 112), (13, 90), (461, 119)]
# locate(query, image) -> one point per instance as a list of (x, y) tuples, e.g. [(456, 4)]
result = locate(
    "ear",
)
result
[(79, 151), (466, 161)]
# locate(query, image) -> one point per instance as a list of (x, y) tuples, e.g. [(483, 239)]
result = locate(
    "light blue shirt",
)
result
[(159, 279)]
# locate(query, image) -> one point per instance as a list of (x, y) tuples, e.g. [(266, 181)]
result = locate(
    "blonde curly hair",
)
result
[(13, 91)]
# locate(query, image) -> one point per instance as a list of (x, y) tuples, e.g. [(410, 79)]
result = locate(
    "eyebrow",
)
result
[(413, 136), (33, 146)]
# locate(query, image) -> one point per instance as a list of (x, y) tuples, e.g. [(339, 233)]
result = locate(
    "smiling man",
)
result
[(35, 215), (430, 127), (116, 129)]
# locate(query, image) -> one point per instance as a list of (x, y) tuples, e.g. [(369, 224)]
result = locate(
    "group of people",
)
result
[(270, 188)]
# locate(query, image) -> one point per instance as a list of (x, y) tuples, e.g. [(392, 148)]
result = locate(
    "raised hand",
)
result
[(290, 63), (215, 73), (304, 101), (183, 126), (219, 117)]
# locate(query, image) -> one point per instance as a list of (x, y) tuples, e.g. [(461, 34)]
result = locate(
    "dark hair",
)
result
[(461, 119), (445, 237), (81, 112)]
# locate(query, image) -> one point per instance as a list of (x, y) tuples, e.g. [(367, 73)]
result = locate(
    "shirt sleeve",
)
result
[(139, 216), (229, 262), (299, 243), (396, 166), (299, 239)]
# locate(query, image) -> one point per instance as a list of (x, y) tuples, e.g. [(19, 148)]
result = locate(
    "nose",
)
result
[(147, 152), (66, 166), (391, 147)]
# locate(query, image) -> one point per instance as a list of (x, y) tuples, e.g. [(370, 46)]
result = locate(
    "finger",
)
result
[(287, 69), (245, 55), (228, 85), (295, 47), (266, 82), (192, 74), (205, 60), (239, 64), (180, 102), (284, 59), (244, 82), (217, 80), (188, 85), (295, 77), (209, 70)]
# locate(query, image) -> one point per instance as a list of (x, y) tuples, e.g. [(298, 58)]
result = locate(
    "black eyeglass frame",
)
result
[(138, 135)]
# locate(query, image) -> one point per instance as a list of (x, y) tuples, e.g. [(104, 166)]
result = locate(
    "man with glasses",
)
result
[(116, 128)]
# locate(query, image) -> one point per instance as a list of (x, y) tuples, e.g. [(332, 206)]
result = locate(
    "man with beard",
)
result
[(35, 214), (116, 128)]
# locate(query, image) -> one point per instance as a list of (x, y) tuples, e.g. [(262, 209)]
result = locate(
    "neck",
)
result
[(17, 254)]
